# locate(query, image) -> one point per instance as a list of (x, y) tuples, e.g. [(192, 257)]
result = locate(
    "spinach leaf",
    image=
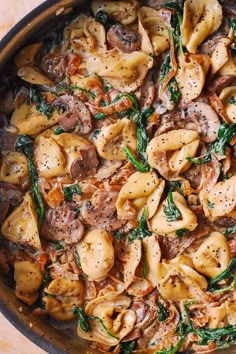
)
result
[(227, 273), (142, 229), (58, 131), (232, 100), (59, 246), (201, 159), (162, 312), (41, 104), (230, 230), (171, 211), (83, 318), (118, 235), (101, 17), (96, 318), (139, 166), (210, 205), (99, 116), (142, 136), (225, 134), (144, 263), (182, 232), (25, 145), (70, 190), (174, 349), (222, 335), (176, 185), (127, 347), (233, 25), (95, 133), (77, 258), (133, 99), (172, 85)]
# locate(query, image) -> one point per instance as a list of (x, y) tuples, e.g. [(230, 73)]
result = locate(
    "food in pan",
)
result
[(117, 176)]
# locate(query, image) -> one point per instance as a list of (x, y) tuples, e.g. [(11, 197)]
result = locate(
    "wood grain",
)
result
[(11, 340)]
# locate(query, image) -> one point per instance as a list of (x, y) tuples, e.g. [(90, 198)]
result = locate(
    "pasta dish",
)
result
[(118, 176)]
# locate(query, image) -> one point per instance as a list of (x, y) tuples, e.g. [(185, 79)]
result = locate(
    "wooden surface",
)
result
[(11, 340)]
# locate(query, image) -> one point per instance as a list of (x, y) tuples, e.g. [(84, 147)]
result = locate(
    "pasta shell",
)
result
[(96, 254), (161, 226), (213, 256), (21, 226), (112, 138), (13, 167), (200, 19), (65, 294), (28, 280), (226, 95)]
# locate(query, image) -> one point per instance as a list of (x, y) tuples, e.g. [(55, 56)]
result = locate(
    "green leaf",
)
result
[(176, 185), (142, 229), (102, 17), (225, 134), (95, 133), (217, 334), (77, 258), (96, 318), (25, 145), (127, 347), (232, 100), (70, 190), (162, 312), (59, 246), (210, 205), (133, 99), (182, 232), (227, 273), (83, 318), (137, 164), (201, 159), (230, 230), (173, 349), (58, 131), (171, 211), (41, 104), (99, 116), (233, 25), (174, 91), (118, 235), (142, 136)]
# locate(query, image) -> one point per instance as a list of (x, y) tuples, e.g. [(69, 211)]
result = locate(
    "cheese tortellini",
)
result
[(112, 138), (159, 222), (114, 311), (61, 296), (96, 254), (200, 19), (177, 280), (140, 189), (180, 143), (21, 226), (227, 97), (213, 256), (13, 167), (28, 280), (220, 200), (28, 120)]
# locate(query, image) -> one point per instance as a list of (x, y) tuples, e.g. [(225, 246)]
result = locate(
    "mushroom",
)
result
[(124, 39)]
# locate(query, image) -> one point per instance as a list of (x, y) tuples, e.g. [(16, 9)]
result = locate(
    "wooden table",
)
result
[(11, 340)]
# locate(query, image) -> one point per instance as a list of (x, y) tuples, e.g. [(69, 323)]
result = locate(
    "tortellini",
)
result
[(131, 256), (181, 143), (222, 315), (28, 280), (54, 154), (124, 12), (124, 71), (13, 167), (200, 19), (140, 189), (154, 22), (61, 296), (112, 138), (96, 254), (220, 200), (191, 74), (221, 53), (29, 121), (152, 253), (114, 311), (177, 280), (213, 256), (160, 225), (21, 226), (227, 97)]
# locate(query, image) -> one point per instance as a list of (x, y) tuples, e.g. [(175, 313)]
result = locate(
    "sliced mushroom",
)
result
[(85, 165), (76, 114), (101, 210), (62, 224), (124, 39)]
